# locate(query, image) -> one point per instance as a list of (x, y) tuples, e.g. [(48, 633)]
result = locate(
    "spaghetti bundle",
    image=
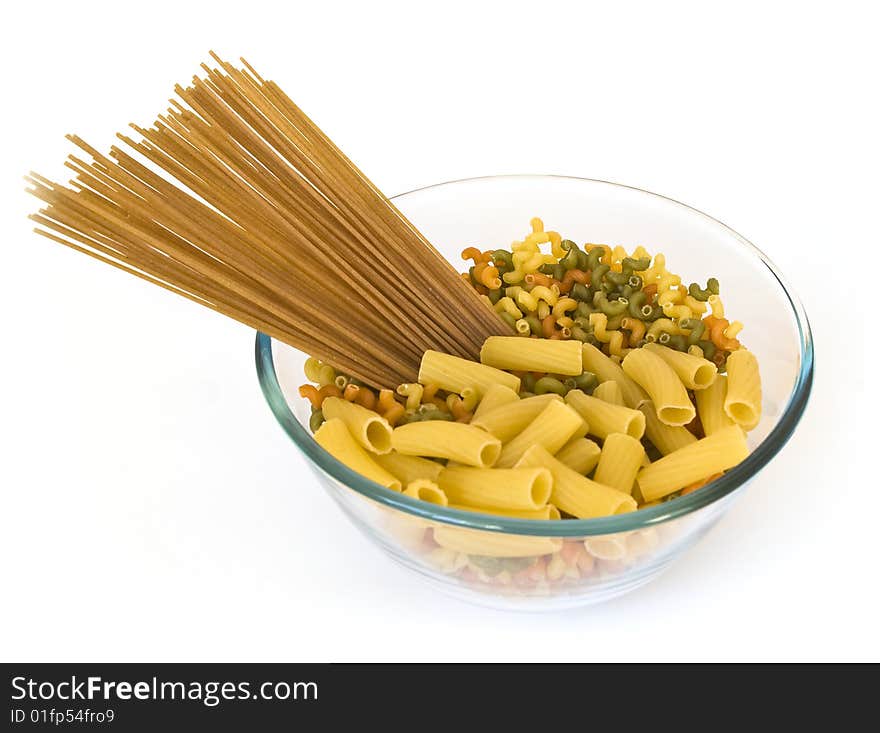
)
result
[(259, 216)]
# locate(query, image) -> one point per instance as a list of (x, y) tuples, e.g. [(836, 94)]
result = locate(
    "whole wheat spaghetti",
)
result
[(235, 199)]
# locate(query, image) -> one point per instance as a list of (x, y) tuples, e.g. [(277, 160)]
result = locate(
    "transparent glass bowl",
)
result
[(559, 564)]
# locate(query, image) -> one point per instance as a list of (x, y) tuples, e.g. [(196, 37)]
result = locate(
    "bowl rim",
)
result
[(717, 490)]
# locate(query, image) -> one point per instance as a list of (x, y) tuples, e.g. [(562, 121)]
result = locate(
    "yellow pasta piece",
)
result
[(666, 439), (495, 396), (609, 392), (662, 384), (579, 454), (453, 440), (620, 461), (552, 429), (605, 369), (368, 428), (548, 511), (710, 406), (695, 373), (494, 544), (575, 494), (532, 355), (426, 490), (508, 420), (409, 468), (503, 488), (454, 374), (413, 394), (333, 437), (743, 401), (713, 454), (606, 547), (605, 418)]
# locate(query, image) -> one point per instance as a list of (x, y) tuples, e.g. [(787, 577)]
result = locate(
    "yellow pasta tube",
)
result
[(506, 421), (743, 401), (532, 355), (548, 511), (495, 396), (579, 454), (575, 494), (665, 438), (552, 429), (409, 468), (605, 418), (609, 392), (694, 372), (333, 437), (494, 544), (710, 406), (606, 547), (455, 374), (368, 428), (511, 488), (662, 384), (426, 490), (620, 461), (605, 369), (453, 440), (708, 456)]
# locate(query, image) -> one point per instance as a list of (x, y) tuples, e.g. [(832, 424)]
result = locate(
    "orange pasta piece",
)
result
[(548, 326), (472, 253), (650, 292), (310, 392), (636, 330), (394, 413), (539, 278)]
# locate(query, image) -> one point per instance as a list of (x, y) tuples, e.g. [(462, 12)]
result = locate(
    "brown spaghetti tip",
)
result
[(259, 216)]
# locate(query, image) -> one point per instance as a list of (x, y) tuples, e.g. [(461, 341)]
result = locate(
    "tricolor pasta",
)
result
[(624, 388)]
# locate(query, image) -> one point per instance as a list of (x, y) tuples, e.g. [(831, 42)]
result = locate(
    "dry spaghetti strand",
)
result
[(259, 216)]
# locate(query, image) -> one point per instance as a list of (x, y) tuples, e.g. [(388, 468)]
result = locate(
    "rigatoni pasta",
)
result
[(710, 406), (605, 418), (495, 396), (553, 428), (579, 454), (694, 372), (369, 429), (743, 401), (533, 355), (665, 438), (455, 374), (662, 385), (451, 440), (610, 391), (426, 490), (512, 488), (607, 370), (619, 462), (409, 468), (333, 436)]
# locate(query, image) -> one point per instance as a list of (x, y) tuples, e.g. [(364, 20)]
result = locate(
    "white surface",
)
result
[(153, 510)]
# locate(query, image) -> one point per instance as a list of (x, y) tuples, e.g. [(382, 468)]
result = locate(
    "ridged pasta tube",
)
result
[(511, 488), (426, 490), (455, 374), (694, 372), (710, 406), (575, 494), (662, 384), (409, 468), (605, 369), (367, 427), (506, 421), (580, 454), (552, 429), (333, 437), (495, 396), (453, 440), (743, 401), (609, 392), (713, 454), (533, 355), (666, 439), (620, 461), (605, 418)]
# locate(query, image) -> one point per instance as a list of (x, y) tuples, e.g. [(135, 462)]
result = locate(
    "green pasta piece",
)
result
[(587, 381), (678, 342), (584, 309), (609, 308), (634, 282), (617, 278), (708, 348), (549, 384), (546, 270), (316, 420), (528, 382), (581, 292), (495, 295), (508, 319), (597, 278), (641, 263), (697, 328), (534, 325), (501, 257), (579, 334), (593, 257), (636, 301), (702, 294), (583, 261)]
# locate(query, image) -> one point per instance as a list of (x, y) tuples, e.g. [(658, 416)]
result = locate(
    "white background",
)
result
[(152, 508)]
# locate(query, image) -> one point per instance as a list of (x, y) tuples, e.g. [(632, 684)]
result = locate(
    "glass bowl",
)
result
[(541, 564)]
